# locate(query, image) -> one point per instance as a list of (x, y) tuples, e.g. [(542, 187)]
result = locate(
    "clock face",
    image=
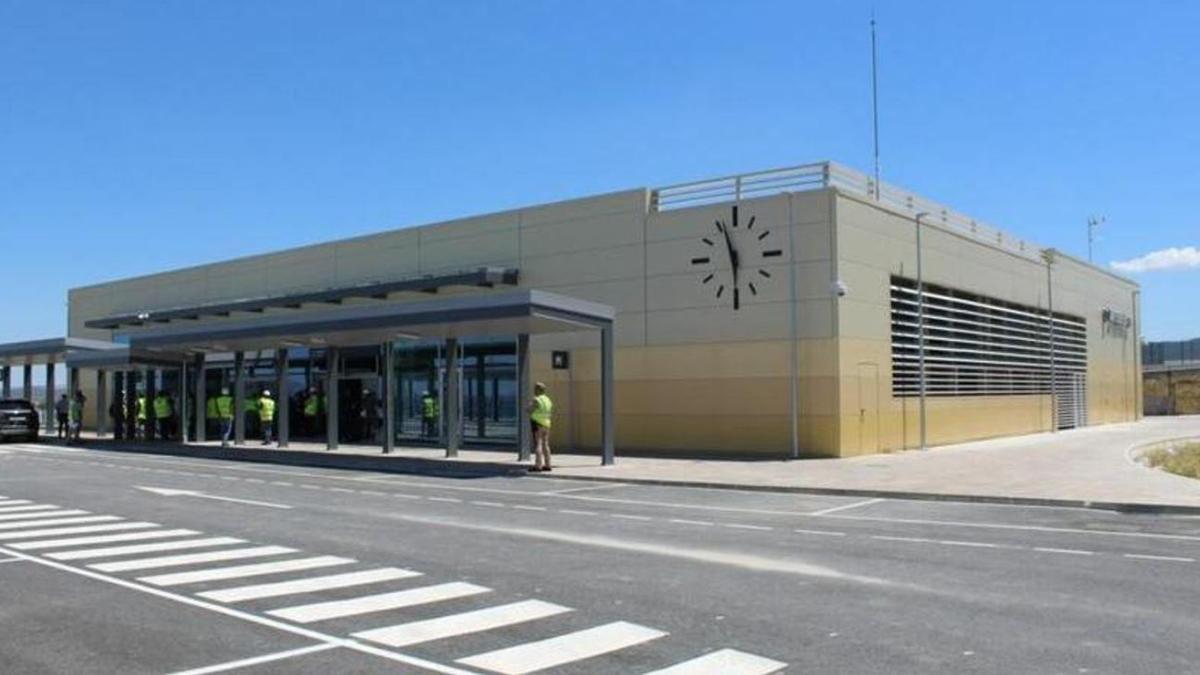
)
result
[(733, 256)]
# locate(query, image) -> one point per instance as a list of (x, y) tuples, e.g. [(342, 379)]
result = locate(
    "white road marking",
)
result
[(576, 512), (845, 507), (526, 507), (830, 533), (87, 553), (243, 571), (740, 526), (494, 505), (251, 618), (280, 588), (1166, 558), (605, 486), (191, 558), (975, 544), (451, 500), (254, 661), (724, 662), (465, 623), (83, 529), (321, 611), (14, 502), (1026, 528), (339, 489), (1067, 551), (29, 507), (682, 521), (8, 560), (58, 521), (626, 516), (914, 540), (47, 514), (172, 492), (101, 539), (556, 651)]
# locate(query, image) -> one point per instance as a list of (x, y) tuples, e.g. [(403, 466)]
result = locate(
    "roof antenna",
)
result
[(875, 100)]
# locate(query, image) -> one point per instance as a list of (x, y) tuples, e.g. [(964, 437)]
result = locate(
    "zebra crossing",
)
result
[(286, 584)]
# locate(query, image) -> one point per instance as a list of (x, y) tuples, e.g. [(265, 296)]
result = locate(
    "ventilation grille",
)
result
[(980, 346)]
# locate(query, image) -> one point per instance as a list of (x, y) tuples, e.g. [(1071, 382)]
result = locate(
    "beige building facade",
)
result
[(773, 314)]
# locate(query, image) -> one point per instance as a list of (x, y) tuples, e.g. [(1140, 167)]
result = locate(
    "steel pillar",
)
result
[(51, 417), (6, 377), (150, 393), (282, 398), (607, 418), (389, 397), (331, 398), (181, 403), (239, 398), (524, 395), (201, 401), (130, 413), (453, 400), (101, 402), (28, 384), (118, 405)]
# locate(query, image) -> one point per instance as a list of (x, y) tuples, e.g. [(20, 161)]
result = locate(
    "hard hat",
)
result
[(225, 391), (266, 392)]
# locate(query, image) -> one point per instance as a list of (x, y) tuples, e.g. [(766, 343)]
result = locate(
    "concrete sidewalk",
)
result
[(1083, 467)]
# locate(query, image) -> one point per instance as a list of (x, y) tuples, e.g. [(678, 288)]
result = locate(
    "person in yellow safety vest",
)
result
[(541, 412), (429, 414), (225, 414), (313, 406), (211, 415), (266, 415), (141, 413), (162, 414)]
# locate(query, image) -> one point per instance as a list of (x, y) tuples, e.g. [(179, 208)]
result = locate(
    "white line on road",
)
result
[(526, 507), (58, 521), (8, 560), (975, 544), (577, 512), (191, 558), (684, 521), (1165, 558), (494, 505), (45, 514), (913, 540), (113, 551), (556, 651), (626, 516), (604, 486), (450, 500), (845, 507), (254, 661), (1025, 528), (1066, 551), (741, 526), (465, 623), (724, 662), (82, 529), (280, 588), (30, 507), (102, 539), (335, 609), (242, 571), (830, 533)]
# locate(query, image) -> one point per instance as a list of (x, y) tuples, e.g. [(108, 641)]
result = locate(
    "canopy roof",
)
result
[(48, 350)]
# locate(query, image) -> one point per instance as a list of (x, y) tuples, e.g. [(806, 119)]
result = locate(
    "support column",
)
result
[(150, 393), (181, 403), (119, 405), (6, 375), (524, 395), (239, 398), (389, 397), (201, 396), (131, 405), (331, 398), (453, 403), (101, 403), (607, 418), (282, 398), (28, 372), (51, 417)]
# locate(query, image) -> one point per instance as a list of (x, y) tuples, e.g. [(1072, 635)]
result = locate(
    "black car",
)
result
[(18, 419)]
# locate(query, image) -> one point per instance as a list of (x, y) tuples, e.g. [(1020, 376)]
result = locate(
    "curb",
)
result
[(1119, 507)]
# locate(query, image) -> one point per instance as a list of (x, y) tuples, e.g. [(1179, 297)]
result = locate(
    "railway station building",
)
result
[(796, 312)]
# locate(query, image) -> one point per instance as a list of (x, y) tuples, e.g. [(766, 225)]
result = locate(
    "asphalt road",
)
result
[(269, 569)]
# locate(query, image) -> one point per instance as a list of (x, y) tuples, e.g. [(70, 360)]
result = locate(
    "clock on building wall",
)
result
[(733, 255)]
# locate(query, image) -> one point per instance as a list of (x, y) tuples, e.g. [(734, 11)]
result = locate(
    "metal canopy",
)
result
[(486, 277), (507, 313), (50, 350), (120, 357)]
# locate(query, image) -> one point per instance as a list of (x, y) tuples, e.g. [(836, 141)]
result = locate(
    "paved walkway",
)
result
[(1084, 465)]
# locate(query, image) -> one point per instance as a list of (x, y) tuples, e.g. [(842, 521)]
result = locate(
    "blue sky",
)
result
[(143, 136)]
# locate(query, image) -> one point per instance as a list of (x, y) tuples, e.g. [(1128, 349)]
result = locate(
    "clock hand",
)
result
[(733, 263)]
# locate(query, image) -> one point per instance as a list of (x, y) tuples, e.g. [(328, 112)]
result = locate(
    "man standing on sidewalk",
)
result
[(225, 414), (266, 415), (62, 412), (541, 412)]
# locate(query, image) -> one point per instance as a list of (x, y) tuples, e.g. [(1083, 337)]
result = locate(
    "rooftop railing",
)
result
[(830, 174)]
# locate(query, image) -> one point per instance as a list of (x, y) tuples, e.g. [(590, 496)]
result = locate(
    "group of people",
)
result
[(221, 409), (68, 412), (165, 414)]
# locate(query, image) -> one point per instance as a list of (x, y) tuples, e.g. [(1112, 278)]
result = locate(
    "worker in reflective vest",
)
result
[(211, 416), (141, 414), (266, 415), (541, 412), (429, 414), (313, 405), (225, 414), (162, 414)]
